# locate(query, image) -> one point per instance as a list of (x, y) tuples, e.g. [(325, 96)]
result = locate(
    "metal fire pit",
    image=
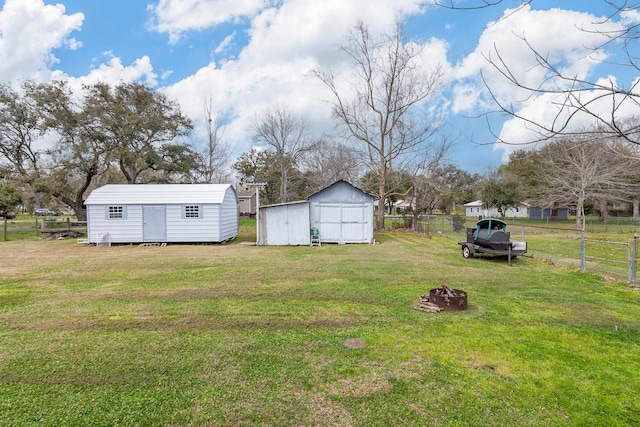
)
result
[(448, 299)]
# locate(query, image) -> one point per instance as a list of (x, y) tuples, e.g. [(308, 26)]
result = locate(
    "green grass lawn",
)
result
[(217, 335)]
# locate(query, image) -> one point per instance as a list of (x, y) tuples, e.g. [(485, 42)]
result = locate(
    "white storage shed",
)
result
[(286, 224), (342, 213), (172, 213)]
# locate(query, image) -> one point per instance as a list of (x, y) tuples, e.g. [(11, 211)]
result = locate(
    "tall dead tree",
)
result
[(215, 154), (428, 184), (286, 136), (389, 82), (328, 162)]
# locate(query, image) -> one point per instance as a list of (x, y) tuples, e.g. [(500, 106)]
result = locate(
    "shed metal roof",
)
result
[(340, 183), (143, 194)]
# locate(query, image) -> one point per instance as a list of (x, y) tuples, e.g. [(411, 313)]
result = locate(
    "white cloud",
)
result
[(30, 31), (543, 109), (564, 38), (286, 43), (166, 74), (630, 16), (556, 34), (316, 28), (114, 72), (225, 43), (178, 16)]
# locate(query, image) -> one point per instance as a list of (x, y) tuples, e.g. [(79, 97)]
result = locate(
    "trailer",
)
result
[(490, 236)]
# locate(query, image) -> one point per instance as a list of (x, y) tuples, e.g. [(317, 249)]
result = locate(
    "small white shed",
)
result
[(342, 213), (286, 224), (177, 213)]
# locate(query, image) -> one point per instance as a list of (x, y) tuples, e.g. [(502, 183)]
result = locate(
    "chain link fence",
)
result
[(606, 247)]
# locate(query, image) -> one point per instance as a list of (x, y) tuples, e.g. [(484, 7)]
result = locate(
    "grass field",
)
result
[(238, 335)]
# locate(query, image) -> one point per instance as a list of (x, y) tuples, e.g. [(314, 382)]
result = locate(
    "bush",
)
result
[(404, 222)]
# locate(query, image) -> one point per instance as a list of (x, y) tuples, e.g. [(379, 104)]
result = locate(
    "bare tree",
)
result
[(427, 182), (573, 171), (329, 162), (286, 135), (478, 4), (605, 104), (215, 154), (389, 82)]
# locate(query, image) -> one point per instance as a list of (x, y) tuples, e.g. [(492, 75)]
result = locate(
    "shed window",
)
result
[(192, 211), (116, 212)]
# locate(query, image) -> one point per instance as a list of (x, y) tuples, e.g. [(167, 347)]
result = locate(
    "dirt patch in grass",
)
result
[(355, 343), (324, 411)]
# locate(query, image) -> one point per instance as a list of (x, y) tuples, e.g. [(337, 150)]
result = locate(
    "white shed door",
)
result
[(342, 223), (288, 225), (155, 224), (353, 223)]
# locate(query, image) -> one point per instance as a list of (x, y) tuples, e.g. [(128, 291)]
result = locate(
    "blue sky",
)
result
[(245, 55)]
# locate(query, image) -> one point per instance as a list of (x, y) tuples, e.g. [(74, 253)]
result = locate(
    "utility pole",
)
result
[(257, 186)]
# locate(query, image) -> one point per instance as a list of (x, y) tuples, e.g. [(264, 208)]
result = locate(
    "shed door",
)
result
[(353, 223), (155, 224), (342, 223), (288, 225)]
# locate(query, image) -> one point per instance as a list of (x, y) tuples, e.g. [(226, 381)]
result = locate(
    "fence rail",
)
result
[(40, 227)]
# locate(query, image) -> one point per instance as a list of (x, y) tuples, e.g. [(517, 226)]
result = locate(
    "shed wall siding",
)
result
[(124, 230), (228, 216), (536, 212), (204, 229)]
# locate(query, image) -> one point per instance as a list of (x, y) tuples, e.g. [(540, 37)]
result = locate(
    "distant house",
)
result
[(476, 209), (340, 212), (247, 203), (137, 213), (403, 206)]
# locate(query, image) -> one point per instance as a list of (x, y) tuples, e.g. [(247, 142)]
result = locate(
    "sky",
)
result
[(245, 56)]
